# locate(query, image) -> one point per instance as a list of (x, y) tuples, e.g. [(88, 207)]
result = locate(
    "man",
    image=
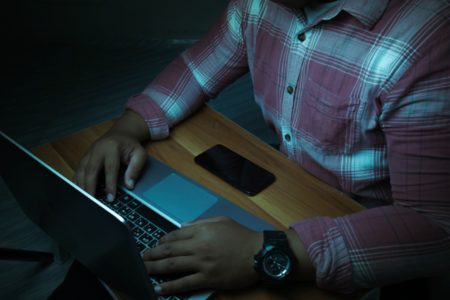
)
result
[(359, 94)]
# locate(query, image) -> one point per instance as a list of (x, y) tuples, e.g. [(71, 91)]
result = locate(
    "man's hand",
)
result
[(108, 153), (120, 145), (214, 253)]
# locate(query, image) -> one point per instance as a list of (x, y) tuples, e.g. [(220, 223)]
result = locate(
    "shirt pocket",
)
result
[(329, 121)]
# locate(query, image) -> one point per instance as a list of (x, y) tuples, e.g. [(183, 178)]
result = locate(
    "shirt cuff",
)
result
[(328, 252), (153, 115)]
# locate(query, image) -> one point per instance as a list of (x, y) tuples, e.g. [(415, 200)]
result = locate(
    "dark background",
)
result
[(81, 59), (107, 22)]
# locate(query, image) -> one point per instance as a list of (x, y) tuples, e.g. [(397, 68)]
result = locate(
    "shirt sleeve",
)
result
[(198, 74), (410, 238)]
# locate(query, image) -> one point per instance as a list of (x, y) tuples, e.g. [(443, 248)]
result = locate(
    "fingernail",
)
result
[(130, 183), (110, 197), (158, 289)]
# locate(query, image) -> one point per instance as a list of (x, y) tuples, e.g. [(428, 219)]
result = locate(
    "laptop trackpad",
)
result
[(180, 198)]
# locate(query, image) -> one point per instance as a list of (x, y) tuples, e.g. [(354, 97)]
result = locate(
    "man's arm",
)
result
[(409, 239), (121, 144), (132, 125), (196, 75)]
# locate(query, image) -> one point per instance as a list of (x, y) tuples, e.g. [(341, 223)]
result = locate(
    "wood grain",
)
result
[(295, 195)]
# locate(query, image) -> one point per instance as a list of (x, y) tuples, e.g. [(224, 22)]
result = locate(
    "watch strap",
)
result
[(275, 237)]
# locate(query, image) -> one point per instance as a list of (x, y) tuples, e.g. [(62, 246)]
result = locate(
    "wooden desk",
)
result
[(294, 196)]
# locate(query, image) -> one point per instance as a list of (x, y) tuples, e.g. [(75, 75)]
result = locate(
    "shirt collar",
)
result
[(368, 12)]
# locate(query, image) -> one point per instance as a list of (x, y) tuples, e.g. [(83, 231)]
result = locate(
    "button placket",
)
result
[(290, 89)]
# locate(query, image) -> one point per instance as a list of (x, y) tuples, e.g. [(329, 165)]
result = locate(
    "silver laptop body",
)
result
[(95, 234)]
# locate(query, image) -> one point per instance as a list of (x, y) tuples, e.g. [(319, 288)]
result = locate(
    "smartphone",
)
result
[(235, 169)]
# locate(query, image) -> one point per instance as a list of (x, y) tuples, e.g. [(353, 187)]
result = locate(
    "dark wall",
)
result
[(98, 22)]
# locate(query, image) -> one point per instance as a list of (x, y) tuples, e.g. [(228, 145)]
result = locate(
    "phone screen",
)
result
[(235, 169)]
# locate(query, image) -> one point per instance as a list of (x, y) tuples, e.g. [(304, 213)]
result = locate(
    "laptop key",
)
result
[(141, 222), (133, 204), (124, 210), (150, 228), (148, 214), (145, 238), (132, 216), (158, 234), (117, 205), (137, 232)]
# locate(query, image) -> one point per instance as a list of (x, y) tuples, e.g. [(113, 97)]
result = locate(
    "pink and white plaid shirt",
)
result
[(361, 99)]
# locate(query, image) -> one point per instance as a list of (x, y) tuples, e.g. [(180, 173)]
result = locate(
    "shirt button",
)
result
[(301, 37), (287, 137), (290, 89)]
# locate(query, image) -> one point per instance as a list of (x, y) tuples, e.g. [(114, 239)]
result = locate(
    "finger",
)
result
[(177, 235), (136, 163), (173, 249), (112, 165), (91, 174), (80, 174), (171, 265), (181, 285)]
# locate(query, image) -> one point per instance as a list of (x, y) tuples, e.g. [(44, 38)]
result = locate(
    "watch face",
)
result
[(276, 264)]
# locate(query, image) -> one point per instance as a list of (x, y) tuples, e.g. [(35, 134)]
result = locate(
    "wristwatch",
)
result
[(275, 261)]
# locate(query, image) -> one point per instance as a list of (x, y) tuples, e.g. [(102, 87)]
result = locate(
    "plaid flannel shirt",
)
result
[(361, 99)]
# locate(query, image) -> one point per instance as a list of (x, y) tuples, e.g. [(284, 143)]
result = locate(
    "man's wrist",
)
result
[(275, 262), (259, 240), (132, 125)]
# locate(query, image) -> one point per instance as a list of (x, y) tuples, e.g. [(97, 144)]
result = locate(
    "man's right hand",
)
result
[(107, 154), (121, 145)]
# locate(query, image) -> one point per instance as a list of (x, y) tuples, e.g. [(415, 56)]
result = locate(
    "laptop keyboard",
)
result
[(146, 226)]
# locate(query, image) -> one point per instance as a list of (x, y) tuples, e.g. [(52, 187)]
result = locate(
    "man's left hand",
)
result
[(213, 254)]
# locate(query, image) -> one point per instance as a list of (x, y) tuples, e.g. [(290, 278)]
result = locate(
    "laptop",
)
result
[(109, 238)]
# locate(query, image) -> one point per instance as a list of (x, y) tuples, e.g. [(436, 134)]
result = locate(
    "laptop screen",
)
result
[(83, 226)]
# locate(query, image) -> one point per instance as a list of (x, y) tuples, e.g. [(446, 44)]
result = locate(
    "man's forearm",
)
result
[(132, 125)]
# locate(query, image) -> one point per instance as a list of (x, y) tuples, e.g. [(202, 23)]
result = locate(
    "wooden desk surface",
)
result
[(295, 195)]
